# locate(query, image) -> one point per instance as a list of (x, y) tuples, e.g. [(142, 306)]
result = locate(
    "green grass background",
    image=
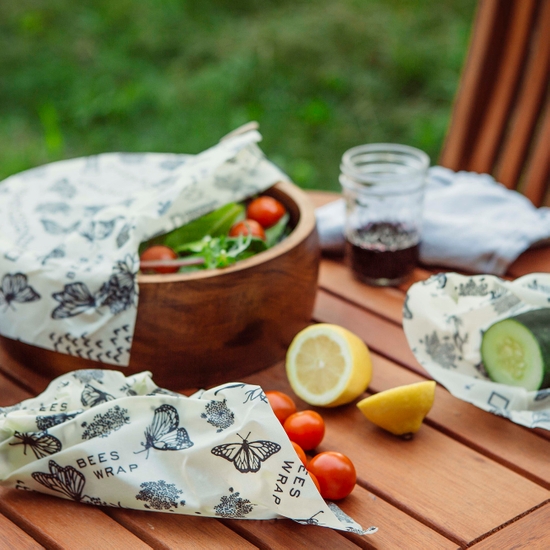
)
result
[(320, 76)]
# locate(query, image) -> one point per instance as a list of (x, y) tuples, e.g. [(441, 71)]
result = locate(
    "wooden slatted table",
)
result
[(467, 479)]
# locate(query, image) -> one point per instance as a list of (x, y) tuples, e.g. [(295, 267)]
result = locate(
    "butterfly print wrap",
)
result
[(247, 456), (41, 443), (16, 289), (98, 437), (71, 232), (164, 433)]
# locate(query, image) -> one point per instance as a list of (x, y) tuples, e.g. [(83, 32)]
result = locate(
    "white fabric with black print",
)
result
[(444, 319), (70, 233), (97, 437)]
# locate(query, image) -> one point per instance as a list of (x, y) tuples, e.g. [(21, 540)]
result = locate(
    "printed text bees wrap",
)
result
[(99, 438)]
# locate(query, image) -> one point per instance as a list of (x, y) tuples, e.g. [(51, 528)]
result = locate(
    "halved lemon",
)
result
[(400, 410), (327, 365)]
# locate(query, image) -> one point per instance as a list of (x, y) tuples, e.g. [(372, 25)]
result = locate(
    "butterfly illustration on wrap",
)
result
[(165, 433), (41, 443), (247, 456), (118, 293), (91, 396), (66, 480), (15, 288)]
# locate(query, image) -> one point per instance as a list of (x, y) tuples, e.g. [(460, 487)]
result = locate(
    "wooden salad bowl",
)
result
[(205, 328)]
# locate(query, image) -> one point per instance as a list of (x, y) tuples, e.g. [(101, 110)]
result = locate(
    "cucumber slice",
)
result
[(516, 351)]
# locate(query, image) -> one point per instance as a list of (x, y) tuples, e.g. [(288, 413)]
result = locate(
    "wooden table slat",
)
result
[(530, 532), (284, 534), (30, 380), (165, 531), (393, 524), (535, 260), (10, 393), (334, 277), (12, 536), (403, 472), (484, 494), (59, 523), (467, 478), (380, 335), (518, 448)]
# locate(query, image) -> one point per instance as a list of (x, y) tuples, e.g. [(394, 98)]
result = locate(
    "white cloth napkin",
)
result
[(98, 437), (470, 222)]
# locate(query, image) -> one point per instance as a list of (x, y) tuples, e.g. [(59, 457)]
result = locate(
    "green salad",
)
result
[(218, 239)]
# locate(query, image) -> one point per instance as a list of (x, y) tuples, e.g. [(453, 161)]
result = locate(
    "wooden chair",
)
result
[(501, 117)]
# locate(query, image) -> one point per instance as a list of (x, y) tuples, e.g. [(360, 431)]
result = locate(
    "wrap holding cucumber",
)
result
[(516, 350)]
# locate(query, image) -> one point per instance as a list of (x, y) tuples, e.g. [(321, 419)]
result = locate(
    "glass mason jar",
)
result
[(383, 186)]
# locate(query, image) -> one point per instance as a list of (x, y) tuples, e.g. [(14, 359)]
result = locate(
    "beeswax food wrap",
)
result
[(444, 319), (97, 437), (70, 232)]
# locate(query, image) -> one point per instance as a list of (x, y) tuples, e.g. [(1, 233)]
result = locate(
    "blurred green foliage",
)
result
[(78, 78)]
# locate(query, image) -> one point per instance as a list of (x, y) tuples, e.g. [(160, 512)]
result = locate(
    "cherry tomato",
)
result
[(246, 227), (335, 473), (159, 252), (300, 452), (267, 211), (282, 404), (306, 428), (315, 480)]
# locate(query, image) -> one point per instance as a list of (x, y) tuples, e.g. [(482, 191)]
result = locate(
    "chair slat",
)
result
[(528, 105), (506, 84), (464, 110), (538, 174), (497, 124)]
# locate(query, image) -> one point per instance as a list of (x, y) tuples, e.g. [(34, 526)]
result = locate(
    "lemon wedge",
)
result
[(400, 410), (327, 365)]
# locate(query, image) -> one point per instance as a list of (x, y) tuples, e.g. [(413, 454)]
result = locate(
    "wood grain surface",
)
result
[(467, 479), (12, 536)]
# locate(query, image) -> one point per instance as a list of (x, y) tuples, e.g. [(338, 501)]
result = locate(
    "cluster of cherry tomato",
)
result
[(333, 473), (261, 213)]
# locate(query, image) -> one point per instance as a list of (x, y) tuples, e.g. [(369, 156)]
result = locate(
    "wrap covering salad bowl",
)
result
[(209, 327)]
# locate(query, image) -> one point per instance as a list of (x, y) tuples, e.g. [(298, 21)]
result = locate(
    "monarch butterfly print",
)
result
[(41, 443), (247, 456), (66, 480), (164, 433), (15, 288), (92, 396)]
